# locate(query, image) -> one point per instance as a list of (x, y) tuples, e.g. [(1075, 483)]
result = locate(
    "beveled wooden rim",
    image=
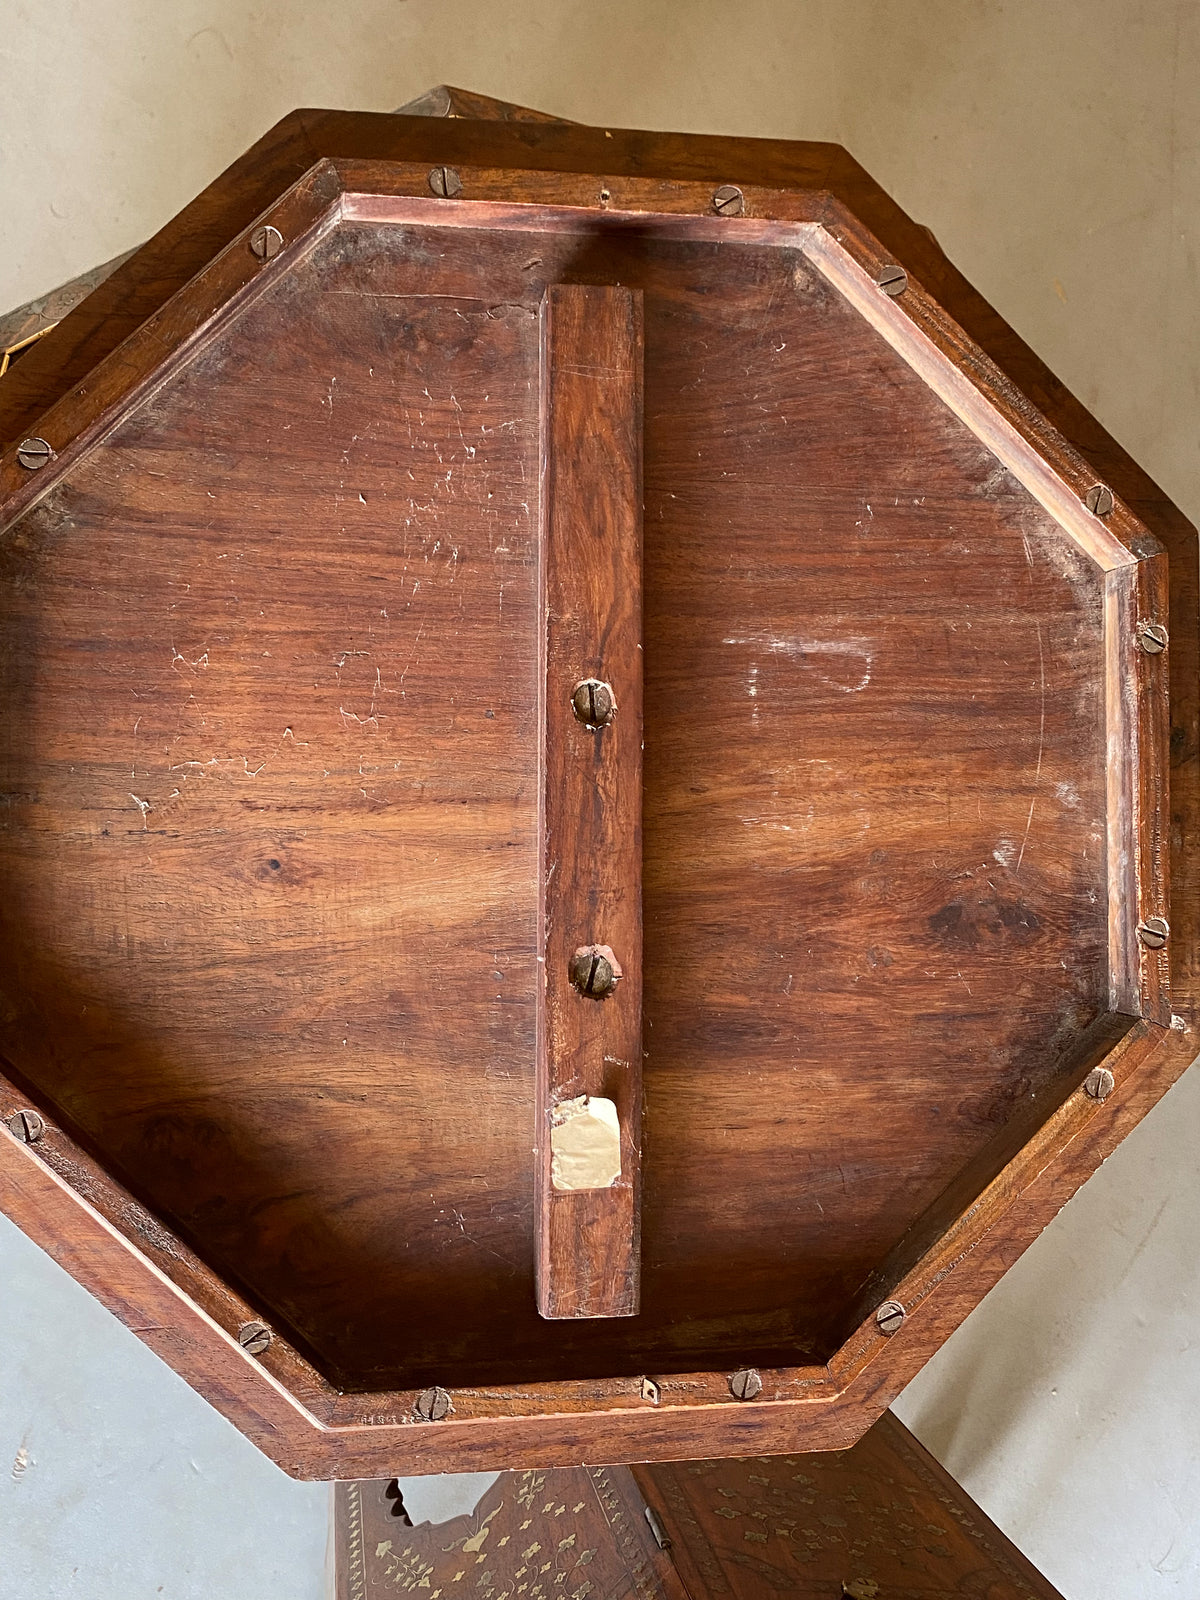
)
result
[(149, 1277)]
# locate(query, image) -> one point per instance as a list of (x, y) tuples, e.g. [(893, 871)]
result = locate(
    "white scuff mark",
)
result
[(21, 1464), (144, 807), (1005, 852), (853, 647), (177, 656)]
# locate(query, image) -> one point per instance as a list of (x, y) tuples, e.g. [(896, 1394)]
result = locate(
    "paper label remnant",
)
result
[(585, 1144)]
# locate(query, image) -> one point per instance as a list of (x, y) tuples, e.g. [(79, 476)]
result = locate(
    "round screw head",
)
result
[(34, 453), (893, 280), (729, 201), (1099, 500), (1152, 637), (445, 183), (593, 972), (433, 1404), (745, 1384), (593, 703), (1099, 1084), (266, 242), (26, 1126), (890, 1317), (1154, 932), (254, 1337)]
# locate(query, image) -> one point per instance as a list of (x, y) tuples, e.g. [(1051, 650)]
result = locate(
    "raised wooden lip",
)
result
[(105, 1235)]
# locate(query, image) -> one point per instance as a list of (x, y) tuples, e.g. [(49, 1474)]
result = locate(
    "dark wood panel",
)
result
[(862, 879), (880, 1520), (590, 597)]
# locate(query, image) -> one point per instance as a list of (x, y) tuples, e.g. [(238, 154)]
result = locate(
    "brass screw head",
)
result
[(592, 973), (1152, 637), (745, 1384), (25, 1125), (1099, 500), (445, 183), (34, 453), (254, 1337), (593, 703), (1154, 932), (890, 1317), (1099, 1084), (266, 242), (433, 1404), (893, 280), (729, 201)]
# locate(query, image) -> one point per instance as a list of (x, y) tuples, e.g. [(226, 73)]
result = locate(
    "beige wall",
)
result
[(1053, 149)]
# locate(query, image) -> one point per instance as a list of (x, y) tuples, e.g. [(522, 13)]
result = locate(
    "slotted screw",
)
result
[(1152, 637), (34, 453), (1099, 500), (890, 1317), (26, 1126), (1099, 1083), (445, 183), (592, 973), (593, 703), (1154, 932), (893, 280), (254, 1337), (433, 1404), (745, 1384), (729, 201), (266, 242)]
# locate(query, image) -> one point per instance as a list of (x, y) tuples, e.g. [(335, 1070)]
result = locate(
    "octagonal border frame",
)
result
[(65, 1200)]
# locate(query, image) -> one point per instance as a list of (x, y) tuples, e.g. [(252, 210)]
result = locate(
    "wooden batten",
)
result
[(590, 587)]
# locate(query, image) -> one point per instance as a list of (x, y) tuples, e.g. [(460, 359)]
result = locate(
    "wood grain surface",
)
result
[(590, 596), (270, 765), (881, 1521)]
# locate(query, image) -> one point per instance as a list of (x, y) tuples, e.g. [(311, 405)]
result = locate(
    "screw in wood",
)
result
[(26, 1126), (893, 280), (1152, 637), (445, 183), (1099, 500), (1099, 1083), (433, 1404), (745, 1384), (266, 242), (1154, 932), (729, 201), (890, 1317), (34, 453), (254, 1337), (592, 973), (593, 703)]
